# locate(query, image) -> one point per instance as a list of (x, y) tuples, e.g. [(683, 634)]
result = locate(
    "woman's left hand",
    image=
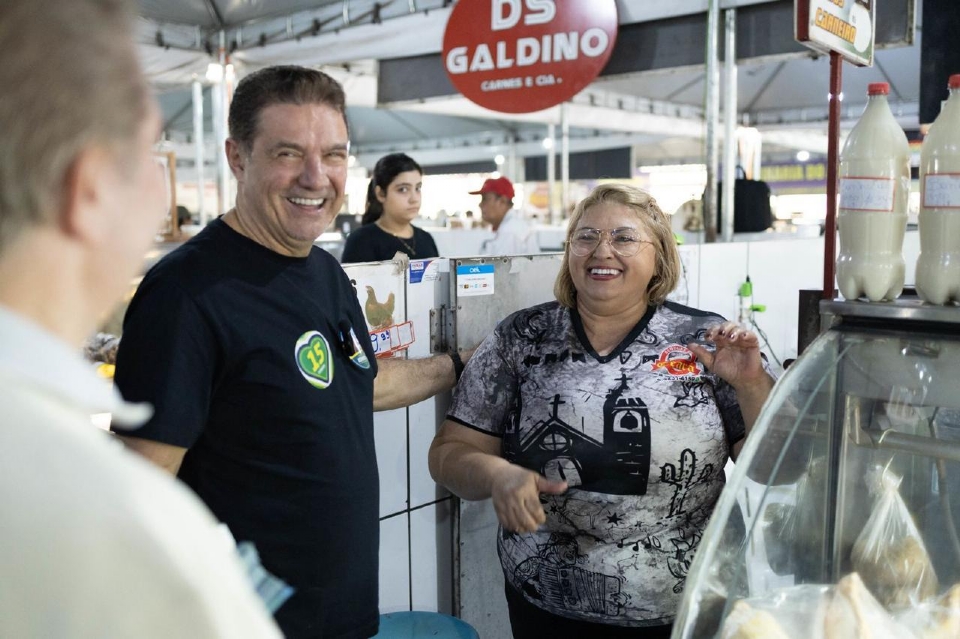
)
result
[(736, 358)]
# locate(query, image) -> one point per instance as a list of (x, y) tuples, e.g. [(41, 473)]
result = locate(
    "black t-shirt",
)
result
[(370, 243), (241, 352)]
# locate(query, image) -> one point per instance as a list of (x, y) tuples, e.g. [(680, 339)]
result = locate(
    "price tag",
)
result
[(867, 194), (942, 191)]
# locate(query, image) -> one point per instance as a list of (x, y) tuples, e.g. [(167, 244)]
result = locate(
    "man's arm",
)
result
[(402, 382), (166, 456)]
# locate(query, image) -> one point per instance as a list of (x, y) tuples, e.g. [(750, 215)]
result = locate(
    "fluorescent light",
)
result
[(803, 156)]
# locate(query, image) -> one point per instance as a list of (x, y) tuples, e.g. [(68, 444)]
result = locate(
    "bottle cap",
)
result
[(954, 81), (878, 88)]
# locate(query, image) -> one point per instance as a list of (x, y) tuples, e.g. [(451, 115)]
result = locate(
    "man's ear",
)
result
[(236, 158), (85, 189)]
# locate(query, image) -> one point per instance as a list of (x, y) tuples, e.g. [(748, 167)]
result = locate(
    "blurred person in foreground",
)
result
[(393, 202), (96, 543), (251, 345), (600, 425), (512, 234)]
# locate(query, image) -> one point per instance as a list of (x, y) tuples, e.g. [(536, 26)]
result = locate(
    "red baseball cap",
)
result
[(501, 186)]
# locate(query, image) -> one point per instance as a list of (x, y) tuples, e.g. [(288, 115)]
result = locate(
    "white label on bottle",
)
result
[(867, 194), (942, 191)]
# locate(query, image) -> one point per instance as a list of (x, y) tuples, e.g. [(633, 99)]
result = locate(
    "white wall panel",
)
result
[(688, 289), (427, 290), (394, 564), (431, 557), (390, 431), (722, 269), (423, 426), (911, 251), (779, 270)]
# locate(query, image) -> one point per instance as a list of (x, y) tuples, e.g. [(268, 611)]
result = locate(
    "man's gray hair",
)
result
[(71, 78)]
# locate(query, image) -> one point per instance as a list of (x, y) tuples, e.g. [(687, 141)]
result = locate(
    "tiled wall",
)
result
[(416, 529)]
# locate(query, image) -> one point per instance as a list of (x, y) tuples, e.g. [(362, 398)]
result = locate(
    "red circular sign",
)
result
[(519, 56)]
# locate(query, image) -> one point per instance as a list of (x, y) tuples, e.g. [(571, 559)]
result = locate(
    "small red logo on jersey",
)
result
[(678, 361)]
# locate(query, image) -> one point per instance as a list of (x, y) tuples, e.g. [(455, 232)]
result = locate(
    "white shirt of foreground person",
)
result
[(97, 543), (514, 237)]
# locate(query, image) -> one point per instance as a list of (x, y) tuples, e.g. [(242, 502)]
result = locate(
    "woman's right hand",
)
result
[(516, 497)]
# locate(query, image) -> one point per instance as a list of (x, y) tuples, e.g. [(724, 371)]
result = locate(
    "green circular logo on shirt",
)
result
[(314, 359)]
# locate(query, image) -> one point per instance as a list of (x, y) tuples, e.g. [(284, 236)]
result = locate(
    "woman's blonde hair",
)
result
[(667, 269)]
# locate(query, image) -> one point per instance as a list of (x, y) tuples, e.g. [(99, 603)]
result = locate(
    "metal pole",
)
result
[(198, 149), (729, 121), (515, 174), (228, 180), (552, 216), (833, 158), (216, 106), (564, 161), (712, 115)]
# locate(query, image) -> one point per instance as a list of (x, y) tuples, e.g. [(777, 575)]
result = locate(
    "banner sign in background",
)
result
[(521, 56), (844, 26)]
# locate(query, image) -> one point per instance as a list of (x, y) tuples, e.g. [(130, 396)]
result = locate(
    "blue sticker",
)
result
[(475, 269), (417, 269)]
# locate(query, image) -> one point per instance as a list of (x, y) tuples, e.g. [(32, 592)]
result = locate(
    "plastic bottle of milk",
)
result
[(874, 187), (938, 267)]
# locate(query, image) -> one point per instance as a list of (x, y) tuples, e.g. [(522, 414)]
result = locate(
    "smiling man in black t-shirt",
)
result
[(250, 343)]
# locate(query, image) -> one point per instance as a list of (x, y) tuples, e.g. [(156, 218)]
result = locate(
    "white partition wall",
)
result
[(400, 303)]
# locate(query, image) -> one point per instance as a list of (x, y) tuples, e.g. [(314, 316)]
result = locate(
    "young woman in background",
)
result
[(393, 201)]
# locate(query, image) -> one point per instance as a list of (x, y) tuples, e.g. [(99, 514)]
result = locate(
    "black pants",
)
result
[(530, 622)]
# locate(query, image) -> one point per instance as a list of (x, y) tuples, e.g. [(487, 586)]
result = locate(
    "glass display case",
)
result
[(841, 516)]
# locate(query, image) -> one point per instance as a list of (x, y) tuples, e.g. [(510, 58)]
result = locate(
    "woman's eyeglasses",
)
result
[(624, 242)]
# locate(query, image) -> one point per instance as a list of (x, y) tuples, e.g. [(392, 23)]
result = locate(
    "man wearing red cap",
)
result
[(512, 234)]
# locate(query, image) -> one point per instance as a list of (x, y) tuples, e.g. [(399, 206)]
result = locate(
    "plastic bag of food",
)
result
[(811, 611), (938, 619), (889, 553), (853, 613), (747, 622), (787, 613)]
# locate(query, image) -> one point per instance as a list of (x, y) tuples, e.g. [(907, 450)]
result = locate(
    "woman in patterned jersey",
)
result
[(600, 425)]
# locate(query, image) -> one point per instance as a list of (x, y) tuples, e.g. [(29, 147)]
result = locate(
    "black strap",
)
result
[(457, 364)]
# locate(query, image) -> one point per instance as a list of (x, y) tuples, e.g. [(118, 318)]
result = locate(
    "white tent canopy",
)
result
[(658, 113)]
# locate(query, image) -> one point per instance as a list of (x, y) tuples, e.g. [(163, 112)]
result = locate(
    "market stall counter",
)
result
[(841, 516)]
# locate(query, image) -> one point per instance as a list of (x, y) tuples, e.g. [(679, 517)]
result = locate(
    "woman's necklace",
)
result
[(411, 247)]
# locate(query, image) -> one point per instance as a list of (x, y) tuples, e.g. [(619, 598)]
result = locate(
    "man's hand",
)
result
[(516, 497)]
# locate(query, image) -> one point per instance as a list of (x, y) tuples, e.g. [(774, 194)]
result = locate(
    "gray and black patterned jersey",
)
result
[(641, 435)]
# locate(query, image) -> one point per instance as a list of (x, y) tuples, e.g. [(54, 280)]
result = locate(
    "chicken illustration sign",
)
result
[(379, 314), (520, 56), (389, 338)]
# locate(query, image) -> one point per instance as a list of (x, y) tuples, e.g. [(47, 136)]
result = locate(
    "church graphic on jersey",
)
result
[(618, 464)]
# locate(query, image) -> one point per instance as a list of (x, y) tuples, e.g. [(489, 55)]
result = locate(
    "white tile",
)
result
[(394, 564), (431, 552), (390, 433), (424, 421)]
